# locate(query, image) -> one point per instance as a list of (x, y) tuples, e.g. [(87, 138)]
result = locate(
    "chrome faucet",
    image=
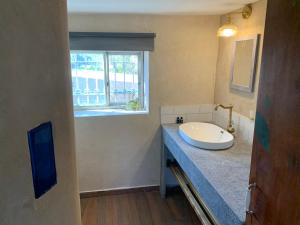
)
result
[(230, 127)]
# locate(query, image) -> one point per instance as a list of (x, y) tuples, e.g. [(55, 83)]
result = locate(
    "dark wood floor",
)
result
[(139, 208)]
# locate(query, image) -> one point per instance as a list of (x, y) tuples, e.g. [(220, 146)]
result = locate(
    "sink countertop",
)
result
[(221, 177)]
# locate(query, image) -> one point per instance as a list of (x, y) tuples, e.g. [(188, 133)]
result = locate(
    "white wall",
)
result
[(34, 88), (243, 103), (124, 151)]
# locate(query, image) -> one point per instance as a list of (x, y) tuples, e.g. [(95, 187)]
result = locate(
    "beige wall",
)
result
[(124, 151), (243, 102), (34, 88)]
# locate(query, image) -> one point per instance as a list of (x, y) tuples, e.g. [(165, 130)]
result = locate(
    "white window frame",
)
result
[(143, 67)]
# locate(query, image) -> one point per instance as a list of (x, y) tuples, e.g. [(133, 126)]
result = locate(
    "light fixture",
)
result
[(229, 29)]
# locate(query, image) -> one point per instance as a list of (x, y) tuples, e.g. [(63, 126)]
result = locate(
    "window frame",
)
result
[(141, 80)]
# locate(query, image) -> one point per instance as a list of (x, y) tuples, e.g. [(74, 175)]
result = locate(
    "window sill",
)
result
[(107, 112)]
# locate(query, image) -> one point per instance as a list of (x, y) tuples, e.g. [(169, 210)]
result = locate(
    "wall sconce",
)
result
[(229, 29)]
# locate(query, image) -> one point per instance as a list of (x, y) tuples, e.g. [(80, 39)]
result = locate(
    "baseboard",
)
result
[(92, 194)]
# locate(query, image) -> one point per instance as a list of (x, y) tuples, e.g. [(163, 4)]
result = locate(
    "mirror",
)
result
[(243, 67)]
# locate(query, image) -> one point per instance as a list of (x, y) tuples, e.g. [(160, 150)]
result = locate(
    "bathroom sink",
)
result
[(206, 136)]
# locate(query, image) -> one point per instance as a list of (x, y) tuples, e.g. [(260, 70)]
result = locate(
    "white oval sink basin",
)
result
[(206, 136)]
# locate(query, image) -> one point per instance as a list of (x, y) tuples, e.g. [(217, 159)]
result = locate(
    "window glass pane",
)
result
[(124, 80), (88, 79), (92, 71)]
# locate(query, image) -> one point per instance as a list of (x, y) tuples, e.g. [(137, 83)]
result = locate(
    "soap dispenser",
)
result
[(181, 120)]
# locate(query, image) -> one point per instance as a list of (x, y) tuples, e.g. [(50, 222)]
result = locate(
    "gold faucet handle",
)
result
[(230, 106), (231, 129)]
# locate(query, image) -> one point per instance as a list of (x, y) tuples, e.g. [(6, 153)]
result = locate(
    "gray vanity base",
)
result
[(220, 177)]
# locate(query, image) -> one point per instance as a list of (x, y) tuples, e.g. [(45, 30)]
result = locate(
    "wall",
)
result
[(34, 88), (189, 113), (124, 151), (243, 102)]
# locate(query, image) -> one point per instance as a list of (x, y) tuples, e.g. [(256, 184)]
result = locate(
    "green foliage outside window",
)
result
[(133, 105)]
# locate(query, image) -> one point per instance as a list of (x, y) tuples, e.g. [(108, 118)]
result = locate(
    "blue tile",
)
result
[(42, 157)]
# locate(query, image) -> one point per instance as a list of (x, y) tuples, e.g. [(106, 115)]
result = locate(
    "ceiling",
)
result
[(177, 7)]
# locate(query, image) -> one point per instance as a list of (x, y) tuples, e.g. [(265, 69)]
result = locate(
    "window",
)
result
[(109, 82), (110, 72)]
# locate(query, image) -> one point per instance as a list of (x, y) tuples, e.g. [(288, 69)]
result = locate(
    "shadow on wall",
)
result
[(243, 94), (152, 151)]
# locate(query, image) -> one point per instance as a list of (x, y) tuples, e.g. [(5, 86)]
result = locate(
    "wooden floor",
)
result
[(140, 208)]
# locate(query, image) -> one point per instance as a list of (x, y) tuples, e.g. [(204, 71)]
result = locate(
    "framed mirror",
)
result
[(244, 60)]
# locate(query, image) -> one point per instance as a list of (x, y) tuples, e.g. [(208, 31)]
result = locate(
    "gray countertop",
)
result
[(220, 177)]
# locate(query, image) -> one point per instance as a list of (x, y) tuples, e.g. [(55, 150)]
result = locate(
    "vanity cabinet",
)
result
[(217, 179)]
